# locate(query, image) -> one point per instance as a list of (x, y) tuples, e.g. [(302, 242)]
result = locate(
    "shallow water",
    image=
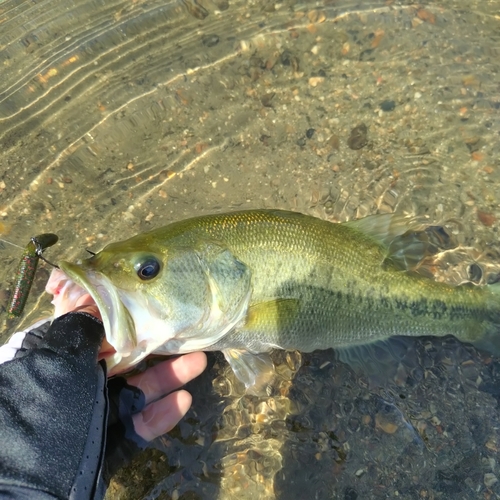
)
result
[(117, 117)]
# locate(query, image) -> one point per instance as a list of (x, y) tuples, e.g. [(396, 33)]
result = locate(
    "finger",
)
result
[(162, 416), (169, 375), (106, 350), (87, 306)]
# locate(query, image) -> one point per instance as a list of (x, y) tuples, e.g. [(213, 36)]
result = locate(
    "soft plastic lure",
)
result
[(26, 271)]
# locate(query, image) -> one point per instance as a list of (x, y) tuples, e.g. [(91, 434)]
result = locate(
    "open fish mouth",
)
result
[(74, 284), (67, 295)]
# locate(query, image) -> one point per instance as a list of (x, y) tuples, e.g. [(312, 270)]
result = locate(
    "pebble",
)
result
[(333, 142), (475, 273), (350, 494), (196, 11), (485, 218), (385, 425), (266, 99), (387, 105), (288, 59), (314, 81), (210, 40), (490, 479), (358, 137), (472, 143)]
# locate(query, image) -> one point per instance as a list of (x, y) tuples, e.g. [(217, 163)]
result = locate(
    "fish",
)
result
[(248, 282)]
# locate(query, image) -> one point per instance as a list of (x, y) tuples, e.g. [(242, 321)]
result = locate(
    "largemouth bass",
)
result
[(247, 282)]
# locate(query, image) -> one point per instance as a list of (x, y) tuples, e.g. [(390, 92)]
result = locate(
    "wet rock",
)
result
[(486, 218), (417, 146), (359, 137), (266, 99), (493, 278), (288, 59), (387, 105), (222, 4), (472, 143), (490, 479), (195, 9), (301, 142), (210, 40), (385, 424), (350, 494), (333, 142), (475, 273), (310, 132)]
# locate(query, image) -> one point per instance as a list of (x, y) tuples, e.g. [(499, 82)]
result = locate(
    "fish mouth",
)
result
[(118, 324)]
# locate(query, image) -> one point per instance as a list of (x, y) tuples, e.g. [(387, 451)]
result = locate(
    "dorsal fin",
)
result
[(409, 241), (384, 228)]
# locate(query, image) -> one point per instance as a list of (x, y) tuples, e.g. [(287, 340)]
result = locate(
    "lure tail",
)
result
[(26, 271)]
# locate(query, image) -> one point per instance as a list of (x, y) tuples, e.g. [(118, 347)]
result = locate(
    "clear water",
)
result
[(120, 116)]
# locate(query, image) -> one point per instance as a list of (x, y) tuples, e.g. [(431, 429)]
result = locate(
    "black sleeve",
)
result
[(53, 414)]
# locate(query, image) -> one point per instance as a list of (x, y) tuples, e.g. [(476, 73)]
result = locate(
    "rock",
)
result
[(359, 137)]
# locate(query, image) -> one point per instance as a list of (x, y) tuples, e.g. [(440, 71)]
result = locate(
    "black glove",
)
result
[(55, 411)]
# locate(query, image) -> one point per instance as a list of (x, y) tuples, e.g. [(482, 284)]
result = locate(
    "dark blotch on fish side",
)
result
[(210, 40), (310, 132), (387, 105), (358, 137)]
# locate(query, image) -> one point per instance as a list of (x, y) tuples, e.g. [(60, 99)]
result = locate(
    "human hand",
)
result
[(146, 406), (165, 404), (58, 402)]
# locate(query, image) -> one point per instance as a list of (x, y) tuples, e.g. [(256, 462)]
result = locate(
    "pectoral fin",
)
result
[(271, 315), (254, 370)]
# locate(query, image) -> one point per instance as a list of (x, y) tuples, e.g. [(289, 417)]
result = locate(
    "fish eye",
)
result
[(148, 268)]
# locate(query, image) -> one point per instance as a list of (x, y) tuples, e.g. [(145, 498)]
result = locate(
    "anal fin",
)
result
[(382, 359)]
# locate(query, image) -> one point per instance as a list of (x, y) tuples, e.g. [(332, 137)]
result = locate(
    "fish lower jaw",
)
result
[(123, 361)]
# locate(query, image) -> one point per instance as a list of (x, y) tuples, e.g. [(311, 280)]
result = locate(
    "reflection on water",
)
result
[(117, 117)]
